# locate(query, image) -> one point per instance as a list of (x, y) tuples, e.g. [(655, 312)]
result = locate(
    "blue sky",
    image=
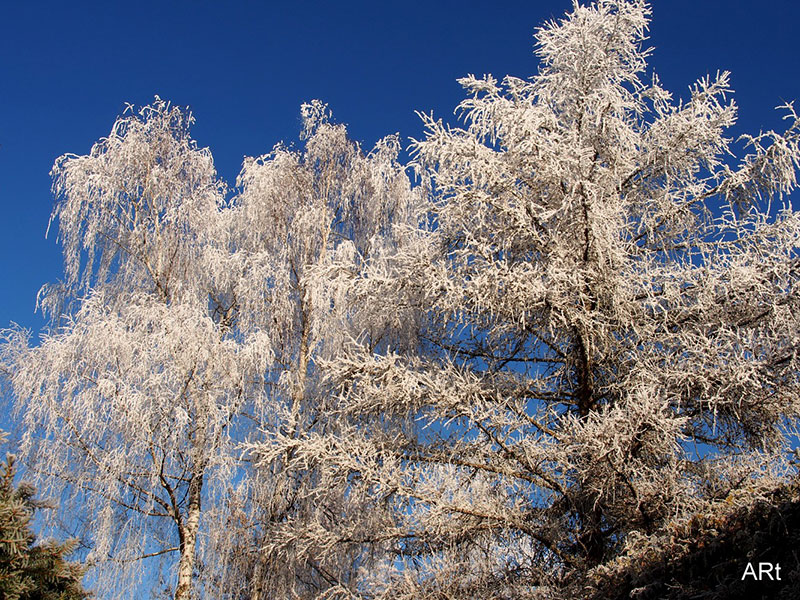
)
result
[(68, 68)]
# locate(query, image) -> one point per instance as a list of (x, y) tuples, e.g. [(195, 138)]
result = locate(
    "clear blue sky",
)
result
[(68, 68)]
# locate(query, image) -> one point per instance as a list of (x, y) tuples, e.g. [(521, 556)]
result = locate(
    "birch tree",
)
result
[(610, 337), (304, 222), (186, 326), (129, 401)]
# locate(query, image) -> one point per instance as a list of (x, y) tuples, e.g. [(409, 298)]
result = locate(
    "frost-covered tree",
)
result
[(130, 401), (303, 221), (608, 329), (187, 327), (587, 351), (31, 570)]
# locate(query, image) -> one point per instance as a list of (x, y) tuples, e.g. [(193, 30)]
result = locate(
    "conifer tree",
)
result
[(609, 331), (30, 570)]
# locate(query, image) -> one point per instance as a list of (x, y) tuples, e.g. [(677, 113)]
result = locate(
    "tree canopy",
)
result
[(575, 336)]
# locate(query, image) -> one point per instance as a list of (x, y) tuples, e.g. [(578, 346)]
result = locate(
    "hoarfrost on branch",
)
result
[(578, 332)]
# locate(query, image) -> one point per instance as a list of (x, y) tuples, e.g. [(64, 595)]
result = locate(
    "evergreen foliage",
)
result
[(706, 557), (31, 571)]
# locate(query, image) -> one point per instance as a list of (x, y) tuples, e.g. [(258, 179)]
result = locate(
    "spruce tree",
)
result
[(30, 571)]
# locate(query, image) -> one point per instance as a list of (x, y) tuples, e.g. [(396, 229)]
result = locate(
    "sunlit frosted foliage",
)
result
[(186, 326), (610, 334), (576, 336), (305, 224)]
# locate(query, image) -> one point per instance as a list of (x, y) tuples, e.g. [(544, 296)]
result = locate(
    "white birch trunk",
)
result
[(189, 540)]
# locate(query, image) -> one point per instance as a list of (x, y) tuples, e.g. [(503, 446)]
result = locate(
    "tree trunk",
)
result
[(189, 540), (257, 592)]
